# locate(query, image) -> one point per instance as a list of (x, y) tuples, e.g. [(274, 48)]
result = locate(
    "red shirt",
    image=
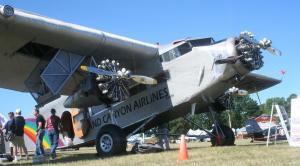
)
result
[(53, 122)]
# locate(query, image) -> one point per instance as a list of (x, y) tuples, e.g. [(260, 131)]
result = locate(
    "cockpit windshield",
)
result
[(184, 47), (176, 52)]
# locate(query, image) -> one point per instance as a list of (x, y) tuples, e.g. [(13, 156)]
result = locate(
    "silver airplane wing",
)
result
[(255, 82), (28, 42)]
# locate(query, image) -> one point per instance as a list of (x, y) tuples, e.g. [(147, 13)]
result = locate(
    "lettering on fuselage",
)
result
[(142, 102), (135, 105), (101, 120)]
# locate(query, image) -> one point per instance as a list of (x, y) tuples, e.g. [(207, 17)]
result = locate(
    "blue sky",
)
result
[(164, 21)]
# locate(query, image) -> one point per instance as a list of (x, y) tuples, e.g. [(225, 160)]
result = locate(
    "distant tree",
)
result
[(179, 126), (288, 103), (244, 108), (266, 108), (203, 119)]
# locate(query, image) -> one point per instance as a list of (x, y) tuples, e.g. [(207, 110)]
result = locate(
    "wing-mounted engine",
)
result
[(225, 101), (110, 83), (111, 79), (89, 85)]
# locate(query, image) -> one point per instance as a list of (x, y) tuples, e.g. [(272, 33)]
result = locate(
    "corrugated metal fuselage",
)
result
[(192, 78)]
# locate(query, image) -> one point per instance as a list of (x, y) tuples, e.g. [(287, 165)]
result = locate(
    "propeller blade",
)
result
[(274, 51), (237, 92), (97, 71), (143, 79), (264, 43), (137, 78)]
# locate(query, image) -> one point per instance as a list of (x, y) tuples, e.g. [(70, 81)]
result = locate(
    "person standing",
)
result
[(10, 135), (40, 132), (163, 137), (2, 141), (53, 124), (19, 130)]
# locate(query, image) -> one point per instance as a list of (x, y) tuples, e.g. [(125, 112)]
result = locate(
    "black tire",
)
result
[(123, 146), (227, 140), (110, 141)]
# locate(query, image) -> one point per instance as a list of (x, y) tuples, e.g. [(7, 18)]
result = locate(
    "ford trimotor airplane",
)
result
[(106, 87)]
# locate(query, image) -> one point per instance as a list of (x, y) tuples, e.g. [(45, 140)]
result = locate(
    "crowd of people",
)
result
[(13, 132)]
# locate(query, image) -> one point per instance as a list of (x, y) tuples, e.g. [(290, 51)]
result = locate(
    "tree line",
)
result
[(243, 109)]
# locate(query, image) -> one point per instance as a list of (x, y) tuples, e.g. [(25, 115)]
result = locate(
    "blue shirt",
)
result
[(10, 126), (19, 125)]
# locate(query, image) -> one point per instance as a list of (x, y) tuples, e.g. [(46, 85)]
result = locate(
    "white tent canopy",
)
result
[(197, 132)]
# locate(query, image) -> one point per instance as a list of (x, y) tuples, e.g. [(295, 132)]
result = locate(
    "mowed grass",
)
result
[(244, 153)]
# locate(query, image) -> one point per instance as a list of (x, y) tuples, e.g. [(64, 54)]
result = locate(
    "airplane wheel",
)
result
[(227, 140), (110, 141)]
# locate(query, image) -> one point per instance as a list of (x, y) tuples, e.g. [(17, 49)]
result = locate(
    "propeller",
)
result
[(237, 91), (113, 81), (264, 43), (143, 79), (97, 71), (226, 99), (249, 51), (137, 78), (274, 51)]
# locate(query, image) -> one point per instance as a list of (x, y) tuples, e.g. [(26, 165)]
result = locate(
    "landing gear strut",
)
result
[(221, 135)]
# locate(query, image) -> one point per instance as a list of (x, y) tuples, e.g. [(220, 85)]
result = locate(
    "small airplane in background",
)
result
[(107, 87), (258, 128)]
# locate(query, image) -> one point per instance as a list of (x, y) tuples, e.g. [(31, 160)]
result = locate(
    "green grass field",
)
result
[(244, 153)]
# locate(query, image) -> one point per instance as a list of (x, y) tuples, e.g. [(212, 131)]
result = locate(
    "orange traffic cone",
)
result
[(183, 153)]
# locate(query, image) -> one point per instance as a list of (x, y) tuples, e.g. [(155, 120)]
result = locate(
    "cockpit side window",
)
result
[(185, 48), (176, 52)]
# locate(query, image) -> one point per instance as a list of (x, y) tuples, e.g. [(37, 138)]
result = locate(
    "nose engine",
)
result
[(250, 51)]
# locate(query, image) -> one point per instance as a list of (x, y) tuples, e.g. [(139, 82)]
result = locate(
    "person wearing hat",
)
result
[(19, 131), (53, 124)]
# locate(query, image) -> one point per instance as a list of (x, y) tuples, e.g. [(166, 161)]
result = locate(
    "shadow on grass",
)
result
[(263, 144), (91, 156), (67, 158), (74, 157)]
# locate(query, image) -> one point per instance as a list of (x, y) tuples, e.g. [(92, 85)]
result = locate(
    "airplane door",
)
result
[(60, 69), (80, 122), (67, 125)]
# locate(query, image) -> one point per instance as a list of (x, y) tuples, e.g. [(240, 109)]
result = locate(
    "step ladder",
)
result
[(284, 121)]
